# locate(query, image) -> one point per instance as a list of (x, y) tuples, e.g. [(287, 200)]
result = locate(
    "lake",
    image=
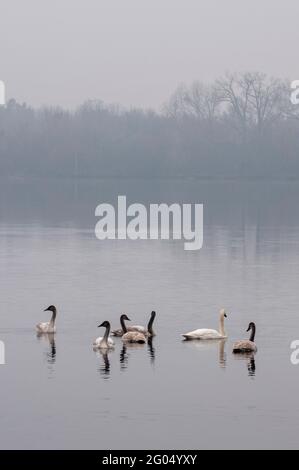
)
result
[(57, 393)]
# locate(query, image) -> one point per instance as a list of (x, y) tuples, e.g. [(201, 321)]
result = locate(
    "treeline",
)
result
[(241, 126)]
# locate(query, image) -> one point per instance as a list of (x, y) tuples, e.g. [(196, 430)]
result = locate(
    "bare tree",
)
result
[(267, 99), (203, 101), (254, 101), (200, 101), (241, 125), (234, 91), (177, 107)]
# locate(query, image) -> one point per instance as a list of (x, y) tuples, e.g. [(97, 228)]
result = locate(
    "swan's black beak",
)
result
[(225, 316), (249, 328), (47, 309), (102, 324)]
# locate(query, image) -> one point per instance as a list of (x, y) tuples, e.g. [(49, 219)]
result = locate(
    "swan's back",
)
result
[(134, 337), (202, 333), (118, 332), (45, 327), (136, 328), (244, 346)]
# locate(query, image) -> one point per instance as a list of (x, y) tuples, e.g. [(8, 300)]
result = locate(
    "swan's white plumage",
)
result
[(101, 343), (207, 333), (203, 333), (46, 327)]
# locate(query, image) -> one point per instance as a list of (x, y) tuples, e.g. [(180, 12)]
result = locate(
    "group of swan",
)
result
[(129, 334), (135, 328), (243, 346), (139, 334)]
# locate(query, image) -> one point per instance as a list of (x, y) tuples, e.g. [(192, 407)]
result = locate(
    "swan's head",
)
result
[(125, 317), (105, 324), (251, 326), (153, 314), (223, 313), (52, 309)]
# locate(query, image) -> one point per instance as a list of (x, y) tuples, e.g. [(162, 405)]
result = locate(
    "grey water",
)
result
[(57, 393)]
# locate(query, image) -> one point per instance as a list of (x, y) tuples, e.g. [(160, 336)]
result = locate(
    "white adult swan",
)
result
[(104, 342), (48, 327), (246, 346), (205, 333)]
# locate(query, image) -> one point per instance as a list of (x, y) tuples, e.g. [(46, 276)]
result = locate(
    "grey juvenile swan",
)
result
[(147, 331), (134, 337), (48, 327), (121, 331), (245, 345), (104, 342)]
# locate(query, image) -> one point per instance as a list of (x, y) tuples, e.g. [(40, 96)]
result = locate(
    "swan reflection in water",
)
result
[(104, 368), (127, 347), (249, 358), (151, 350), (50, 353), (207, 345)]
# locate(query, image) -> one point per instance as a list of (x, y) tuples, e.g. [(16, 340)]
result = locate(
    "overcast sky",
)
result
[(136, 52)]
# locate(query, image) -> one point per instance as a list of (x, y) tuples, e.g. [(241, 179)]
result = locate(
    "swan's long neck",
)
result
[(252, 334), (107, 332), (221, 326), (106, 336), (53, 318), (123, 325), (150, 325)]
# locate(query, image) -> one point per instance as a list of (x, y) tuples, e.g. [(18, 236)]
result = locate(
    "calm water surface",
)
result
[(57, 393)]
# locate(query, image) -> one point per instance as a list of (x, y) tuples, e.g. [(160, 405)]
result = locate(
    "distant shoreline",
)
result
[(223, 179)]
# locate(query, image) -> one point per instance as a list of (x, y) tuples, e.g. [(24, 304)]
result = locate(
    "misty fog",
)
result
[(135, 52), (239, 126)]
